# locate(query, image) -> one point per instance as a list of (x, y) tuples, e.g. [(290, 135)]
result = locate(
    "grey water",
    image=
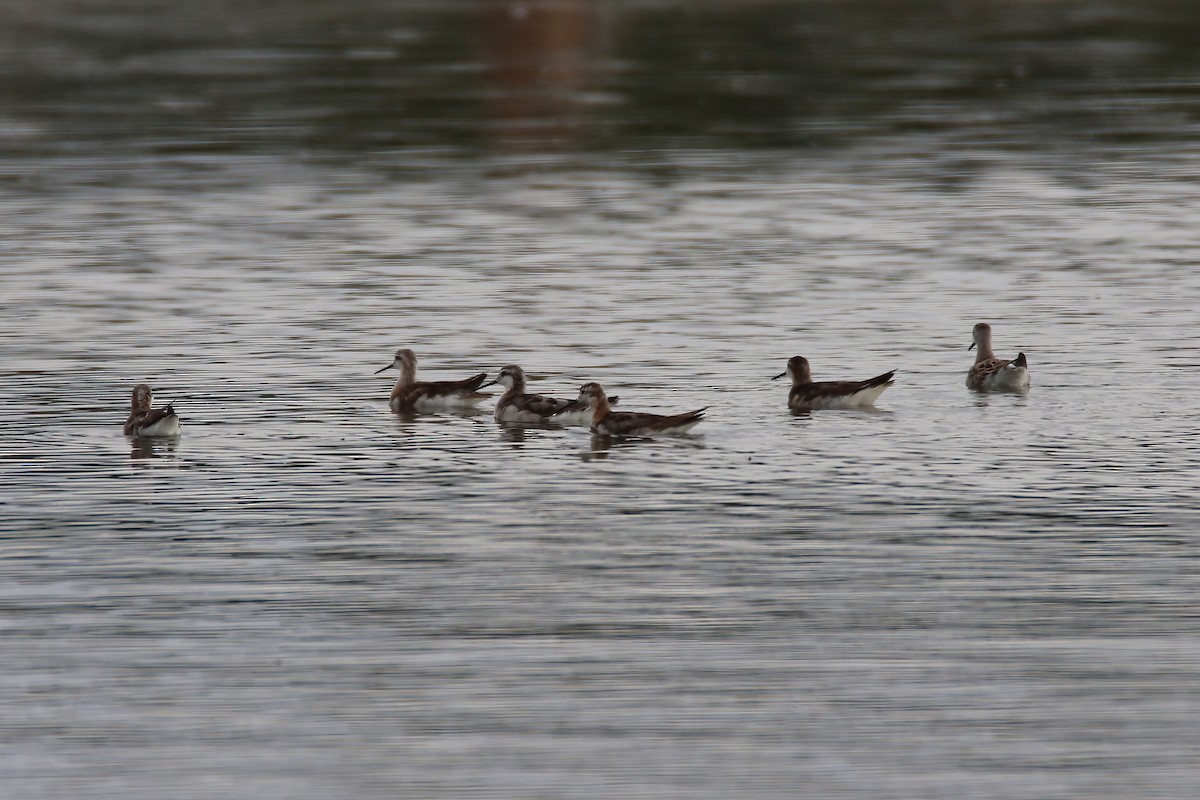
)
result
[(251, 206)]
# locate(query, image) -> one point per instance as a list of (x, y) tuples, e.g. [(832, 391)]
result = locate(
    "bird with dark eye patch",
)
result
[(809, 395), (606, 422), (991, 374), (516, 405), (145, 420), (410, 395)]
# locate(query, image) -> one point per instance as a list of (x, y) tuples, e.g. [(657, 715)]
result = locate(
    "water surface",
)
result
[(309, 596)]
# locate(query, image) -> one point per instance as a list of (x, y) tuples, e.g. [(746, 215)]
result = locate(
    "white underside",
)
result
[(583, 417), (681, 428), (446, 403), (511, 413), (168, 426), (677, 429), (1008, 379), (864, 398), (514, 414)]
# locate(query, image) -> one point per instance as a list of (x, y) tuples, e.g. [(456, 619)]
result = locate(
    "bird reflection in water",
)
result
[(513, 433), (516, 432), (145, 447), (602, 446)]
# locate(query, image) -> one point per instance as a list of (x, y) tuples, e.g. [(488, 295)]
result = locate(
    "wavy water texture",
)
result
[(306, 595)]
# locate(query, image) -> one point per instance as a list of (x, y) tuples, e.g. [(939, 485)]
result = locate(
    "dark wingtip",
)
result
[(687, 417), (878, 380), (1020, 361)]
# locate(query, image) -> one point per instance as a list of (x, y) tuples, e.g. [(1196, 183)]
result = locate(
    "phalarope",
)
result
[(807, 395), (144, 420), (991, 374), (409, 394), (607, 422), (517, 406)]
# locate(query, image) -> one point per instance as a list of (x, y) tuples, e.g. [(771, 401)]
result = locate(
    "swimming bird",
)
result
[(807, 395), (409, 394), (577, 412), (607, 422), (991, 374), (515, 405), (144, 420)]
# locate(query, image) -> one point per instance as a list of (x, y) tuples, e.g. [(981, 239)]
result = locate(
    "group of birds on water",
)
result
[(594, 408)]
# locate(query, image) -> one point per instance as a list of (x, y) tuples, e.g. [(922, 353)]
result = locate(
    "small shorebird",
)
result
[(991, 374), (607, 422), (517, 406), (409, 394), (144, 420), (807, 395)]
